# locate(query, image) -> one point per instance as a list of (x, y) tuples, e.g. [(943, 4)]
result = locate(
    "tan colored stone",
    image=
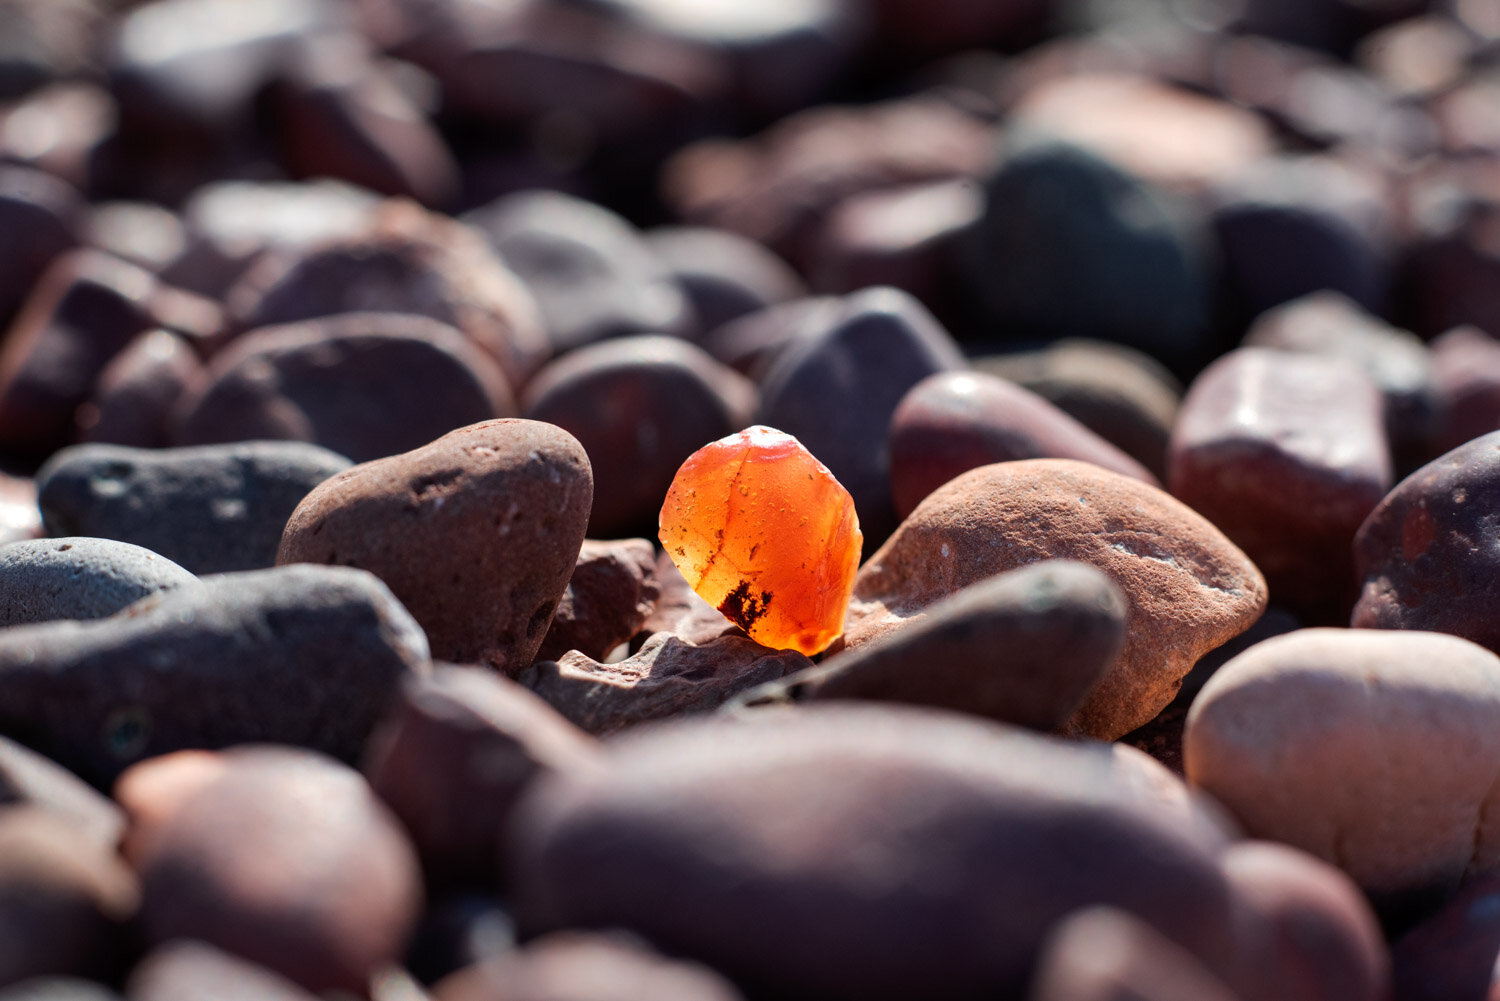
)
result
[(1187, 588)]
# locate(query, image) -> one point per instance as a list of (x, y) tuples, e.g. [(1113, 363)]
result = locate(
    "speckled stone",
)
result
[(79, 578)]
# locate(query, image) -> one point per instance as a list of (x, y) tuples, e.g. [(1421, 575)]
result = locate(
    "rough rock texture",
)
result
[(365, 385), (613, 590), (1022, 647), (582, 967), (1105, 954), (1286, 454), (284, 858), (189, 970), (1396, 748), (668, 676), (953, 422), (1421, 552), (1187, 588), (864, 853), (476, 533), (79, 578), (299, 655), (208, 508), (680, 610), (453, 757)]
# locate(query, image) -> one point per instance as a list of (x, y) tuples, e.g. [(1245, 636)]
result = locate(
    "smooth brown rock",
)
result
[(952, 422), (189, 970), (365, 385), (65, 898), (476, 533), (406, 261), (1105, 954), (613, 591), (864, 853), (1419, 552), (668, 676), (581, 967), (1187, 588), (454, 756), (1311, 936), (137, 392), (1286, 454), (1375, 751), (287, 859), (1022, 647)]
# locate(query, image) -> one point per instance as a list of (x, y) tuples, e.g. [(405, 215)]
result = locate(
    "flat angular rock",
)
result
[(1022, 647), (836, 388), (1187, 588), (133, 401), (639, 406), (612, 592), (1376, 752), (1419, 552), (188, 970), (297, 655), (1105, 954), (208, 508), (860, 852), (405, 261), (668, 676), (476, 533), (284, 858), (79, 578), (455, 755), (584, 967), (365, 385), (1286, 454), (953, 422)]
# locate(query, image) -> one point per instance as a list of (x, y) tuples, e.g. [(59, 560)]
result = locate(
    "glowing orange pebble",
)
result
[(763, 531)]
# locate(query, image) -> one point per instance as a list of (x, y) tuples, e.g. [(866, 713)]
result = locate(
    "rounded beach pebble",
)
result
[(79, 578), (1187, 588), (1375, 751), (477, 533)]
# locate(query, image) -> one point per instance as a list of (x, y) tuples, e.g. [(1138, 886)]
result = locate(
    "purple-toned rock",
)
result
[(458, 930), (79, 578), (208, 508), (1311, 935), (1187, 588), (1395, 742), (953, 422), (1286, 454), (145, 234), (136, 394), (365, 385), (613, 591), (724, 275), (65, 898), (1124, 396), (591, 273), (28, 779), (860, 852), (407, 261), (1105, 954), (668, 676), (63, 128), (85, 311), (455, 755), (189, 970), (1328, 323), (1022, 647), (1419, 553), (582, 967), (476, 533), (835, 389), (639, 406), (284, 858), (1449, 267), (1454, 954), (39, 216), (751, 343), (1466, 371), (297, 655), (58, 989)]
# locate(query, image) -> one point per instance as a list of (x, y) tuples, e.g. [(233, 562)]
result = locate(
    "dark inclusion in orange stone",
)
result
[(763, 531)]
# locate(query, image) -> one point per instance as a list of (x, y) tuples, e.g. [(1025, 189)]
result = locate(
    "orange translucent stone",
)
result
[(763, 532)]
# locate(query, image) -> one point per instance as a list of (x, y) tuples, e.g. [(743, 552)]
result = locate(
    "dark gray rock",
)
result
[(298, 655), (210, 508), (58, 989), (79, 578)]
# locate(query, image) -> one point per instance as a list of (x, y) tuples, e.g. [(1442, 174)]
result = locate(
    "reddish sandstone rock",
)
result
[(1187, 588), (476, 533), (613, 590)]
